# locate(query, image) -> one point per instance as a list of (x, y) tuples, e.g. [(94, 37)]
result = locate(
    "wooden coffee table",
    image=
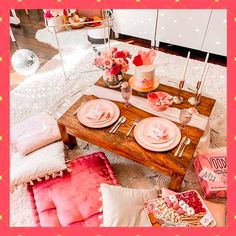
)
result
[(164, 162)]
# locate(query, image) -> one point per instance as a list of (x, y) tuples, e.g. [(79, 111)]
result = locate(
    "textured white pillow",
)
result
[(125, 206), (44, 162)]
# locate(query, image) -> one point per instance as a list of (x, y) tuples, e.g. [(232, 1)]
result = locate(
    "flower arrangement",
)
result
[(50, 13), (113, 61), (144, 57)]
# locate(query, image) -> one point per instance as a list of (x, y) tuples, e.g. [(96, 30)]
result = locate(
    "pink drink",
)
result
[(126, 92), (185, 117)]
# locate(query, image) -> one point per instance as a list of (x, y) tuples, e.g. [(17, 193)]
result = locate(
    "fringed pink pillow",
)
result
[(75, 198)]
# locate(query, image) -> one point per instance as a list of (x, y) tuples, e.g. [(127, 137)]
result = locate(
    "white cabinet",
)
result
[(216, 36), (185, 28), (202, 29), (137, 23)]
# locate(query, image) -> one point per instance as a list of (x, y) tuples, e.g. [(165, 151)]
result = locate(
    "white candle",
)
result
[(204, 79), (186, 66), (204, 67)]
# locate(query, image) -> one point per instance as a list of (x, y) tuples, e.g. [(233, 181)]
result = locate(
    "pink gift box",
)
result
[(211, 168)]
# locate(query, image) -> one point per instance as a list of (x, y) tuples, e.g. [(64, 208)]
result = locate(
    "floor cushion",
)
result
[(75, 198), (43, 163), (34, 133), (217, 210), (124, 206)]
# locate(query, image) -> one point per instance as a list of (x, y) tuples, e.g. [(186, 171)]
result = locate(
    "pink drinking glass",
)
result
[(126, 92)]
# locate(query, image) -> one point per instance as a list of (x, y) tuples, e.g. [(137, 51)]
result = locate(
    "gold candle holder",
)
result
[(178, 99), (195, 100)]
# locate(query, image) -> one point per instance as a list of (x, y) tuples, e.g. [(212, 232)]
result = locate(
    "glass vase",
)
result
[(112, 81)]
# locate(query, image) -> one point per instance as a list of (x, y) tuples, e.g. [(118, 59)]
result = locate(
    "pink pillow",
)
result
[(34, 133), (74, 199), (217, 210)]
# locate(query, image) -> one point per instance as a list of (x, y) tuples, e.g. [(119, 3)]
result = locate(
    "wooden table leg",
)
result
[(67, 139), (176, 181)]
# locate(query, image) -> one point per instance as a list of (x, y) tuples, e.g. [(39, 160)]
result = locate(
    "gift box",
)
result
[(211, 168)]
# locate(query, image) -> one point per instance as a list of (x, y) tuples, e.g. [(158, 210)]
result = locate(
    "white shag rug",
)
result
[(42, 90)]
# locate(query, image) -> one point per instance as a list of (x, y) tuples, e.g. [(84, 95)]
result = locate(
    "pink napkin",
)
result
[(157, 132), (98, 112)]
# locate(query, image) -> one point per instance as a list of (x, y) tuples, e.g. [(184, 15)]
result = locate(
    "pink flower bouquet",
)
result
[(113, 61)]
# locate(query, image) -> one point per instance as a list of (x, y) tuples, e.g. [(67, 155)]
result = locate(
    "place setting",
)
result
[(157, 134), (153, 133), (98, 113)]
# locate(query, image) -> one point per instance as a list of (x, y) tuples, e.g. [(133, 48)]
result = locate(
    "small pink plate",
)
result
[(81, 114), (160, 101), (159, 147)]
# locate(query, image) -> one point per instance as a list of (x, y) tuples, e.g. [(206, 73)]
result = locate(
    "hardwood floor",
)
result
[(30, 24)]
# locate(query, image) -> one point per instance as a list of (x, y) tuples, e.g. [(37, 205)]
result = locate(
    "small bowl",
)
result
[(160, 101)]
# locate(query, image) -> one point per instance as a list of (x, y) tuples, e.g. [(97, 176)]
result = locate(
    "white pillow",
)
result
[(124, 206), (44, 162)]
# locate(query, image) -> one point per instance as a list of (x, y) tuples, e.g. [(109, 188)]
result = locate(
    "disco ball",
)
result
[(25, 62)]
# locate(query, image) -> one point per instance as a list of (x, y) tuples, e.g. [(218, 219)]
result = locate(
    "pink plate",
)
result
[(170, 130), (161, 147), (81, 114)]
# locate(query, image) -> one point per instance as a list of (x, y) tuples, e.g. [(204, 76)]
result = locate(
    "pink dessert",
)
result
[(160, 101), (191, 199), (144, 76)]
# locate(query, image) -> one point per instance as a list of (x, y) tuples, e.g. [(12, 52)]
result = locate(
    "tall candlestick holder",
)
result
[(195, 100), (178, 99)]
